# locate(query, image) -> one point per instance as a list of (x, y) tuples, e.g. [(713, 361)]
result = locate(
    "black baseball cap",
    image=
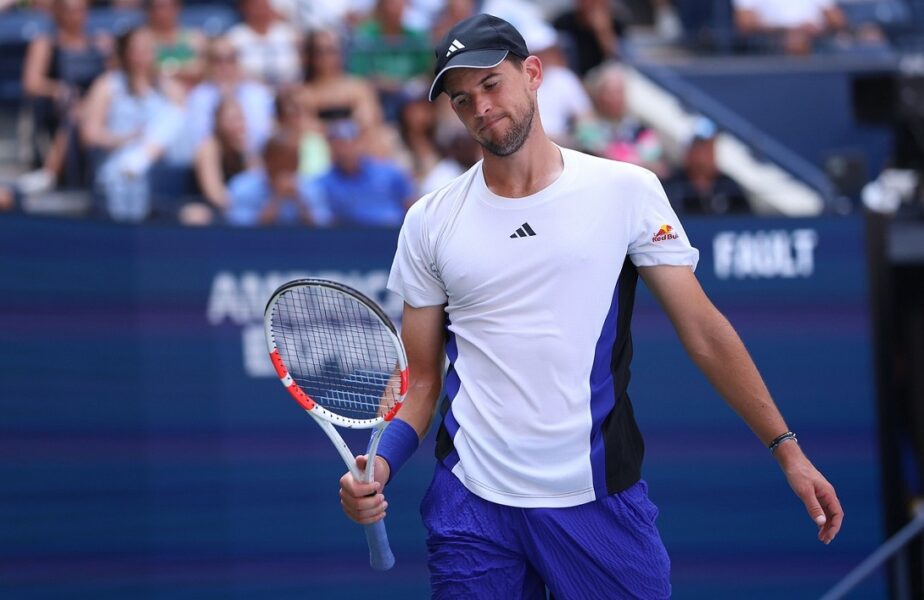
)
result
[(479, 42)]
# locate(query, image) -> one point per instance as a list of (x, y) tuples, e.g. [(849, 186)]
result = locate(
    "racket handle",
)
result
[(380, 556)]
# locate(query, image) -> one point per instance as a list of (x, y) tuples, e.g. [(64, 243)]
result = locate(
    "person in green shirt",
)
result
[(395, 58)]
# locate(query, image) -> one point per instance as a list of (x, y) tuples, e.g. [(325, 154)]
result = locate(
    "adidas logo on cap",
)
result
[(454, 46)]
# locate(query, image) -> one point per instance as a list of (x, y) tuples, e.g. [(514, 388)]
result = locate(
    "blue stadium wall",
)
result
[(146, 451)]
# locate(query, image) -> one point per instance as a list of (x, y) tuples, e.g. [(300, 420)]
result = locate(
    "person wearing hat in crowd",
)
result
[(359, 189), (522, 272), (699, 187)]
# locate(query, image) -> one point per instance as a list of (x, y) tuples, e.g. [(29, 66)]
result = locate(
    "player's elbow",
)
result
[(708, 340)]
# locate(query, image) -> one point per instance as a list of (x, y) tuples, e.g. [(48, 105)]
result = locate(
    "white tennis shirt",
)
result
[(538, 296)]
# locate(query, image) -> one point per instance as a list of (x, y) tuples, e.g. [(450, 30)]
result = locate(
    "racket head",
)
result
[(337, 352)]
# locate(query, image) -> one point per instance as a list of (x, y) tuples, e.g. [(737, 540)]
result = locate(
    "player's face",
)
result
[(496, 105)]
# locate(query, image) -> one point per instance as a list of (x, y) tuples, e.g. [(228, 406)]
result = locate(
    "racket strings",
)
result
[(337, 351)]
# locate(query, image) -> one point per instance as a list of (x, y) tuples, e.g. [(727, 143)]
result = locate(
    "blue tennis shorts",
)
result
[(608, 549)]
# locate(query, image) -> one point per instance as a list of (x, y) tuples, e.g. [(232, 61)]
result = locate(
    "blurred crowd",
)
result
[(316, 113)]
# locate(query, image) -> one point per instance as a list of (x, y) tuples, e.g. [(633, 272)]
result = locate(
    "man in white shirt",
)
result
[(797, 24), (522, 272), (268, 48)]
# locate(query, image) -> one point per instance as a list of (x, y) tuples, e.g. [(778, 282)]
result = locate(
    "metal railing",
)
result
[(897, 544)]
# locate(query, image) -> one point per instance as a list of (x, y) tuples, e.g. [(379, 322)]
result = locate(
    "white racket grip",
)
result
[(380, 556)]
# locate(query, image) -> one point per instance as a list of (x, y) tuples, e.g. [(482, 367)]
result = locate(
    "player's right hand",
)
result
[(364, 502)]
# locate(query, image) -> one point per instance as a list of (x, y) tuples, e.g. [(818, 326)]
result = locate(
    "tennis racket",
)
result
[(340, 357)]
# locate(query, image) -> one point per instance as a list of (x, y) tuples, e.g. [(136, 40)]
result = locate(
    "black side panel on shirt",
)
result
[(622, 439), (444, 445)]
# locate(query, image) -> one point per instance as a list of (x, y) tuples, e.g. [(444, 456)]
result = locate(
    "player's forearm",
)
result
[(422, 332), (420, 402), (719, 353), (417, 411)]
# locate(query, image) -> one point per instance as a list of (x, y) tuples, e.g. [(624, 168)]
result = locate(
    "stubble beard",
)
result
[(515, 137)]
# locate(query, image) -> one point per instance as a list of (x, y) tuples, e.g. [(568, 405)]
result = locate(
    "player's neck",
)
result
[(527, 171)]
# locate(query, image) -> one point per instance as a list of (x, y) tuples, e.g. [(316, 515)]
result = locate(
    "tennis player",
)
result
[(522, 271)]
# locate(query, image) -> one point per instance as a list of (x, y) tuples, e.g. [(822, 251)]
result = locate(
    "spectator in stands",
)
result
[(59, 68), (593, 29), (295, 113), (358, 189), (315, 15), (390, 55), (224, 78), (523, 14), (224, 154), (797, 27), (329, 89), (612, 132), (7, 198), (699, 187), (179, 49), (266, 46), (274, 194), (563, 101), (460, 153), (417, 126), (133, 115)]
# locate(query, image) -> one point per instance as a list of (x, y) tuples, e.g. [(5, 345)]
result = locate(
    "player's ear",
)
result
[(532, 66)]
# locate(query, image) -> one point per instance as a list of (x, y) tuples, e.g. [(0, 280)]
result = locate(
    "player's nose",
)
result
[(483, 106)]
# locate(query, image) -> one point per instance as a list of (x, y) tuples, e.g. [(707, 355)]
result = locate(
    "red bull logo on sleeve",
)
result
[(666, 232)]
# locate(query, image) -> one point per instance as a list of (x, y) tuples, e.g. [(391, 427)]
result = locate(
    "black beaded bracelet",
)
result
[(780, 439)]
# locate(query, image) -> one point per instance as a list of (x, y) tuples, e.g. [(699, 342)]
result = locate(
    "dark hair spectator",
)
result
[(58, 70), (223, 154), (417, 126), (329, 87), (133, 117)]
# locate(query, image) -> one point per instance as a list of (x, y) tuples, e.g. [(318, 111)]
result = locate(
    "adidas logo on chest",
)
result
[(523, 231)]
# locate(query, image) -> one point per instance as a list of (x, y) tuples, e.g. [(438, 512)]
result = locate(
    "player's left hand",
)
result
[(813, 489)]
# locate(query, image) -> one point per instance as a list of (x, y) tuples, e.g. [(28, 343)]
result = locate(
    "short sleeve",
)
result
[(658, 237), (414, 274)]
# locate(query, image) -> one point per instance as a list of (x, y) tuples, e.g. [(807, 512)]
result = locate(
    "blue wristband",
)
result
[(399, 441)]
